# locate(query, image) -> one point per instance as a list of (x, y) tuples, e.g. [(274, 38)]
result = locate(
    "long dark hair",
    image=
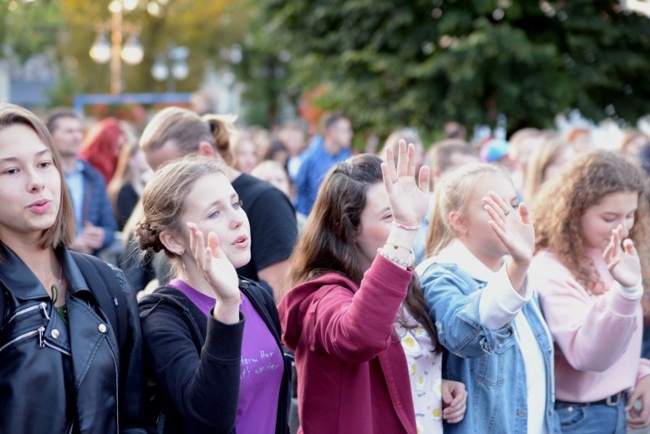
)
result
[(327, 243)]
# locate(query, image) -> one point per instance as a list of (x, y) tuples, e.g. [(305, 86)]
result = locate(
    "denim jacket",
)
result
[(488, 362)]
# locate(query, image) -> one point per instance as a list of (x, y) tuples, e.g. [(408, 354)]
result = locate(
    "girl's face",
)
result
[(375, 223), (277, 177), (598, 221), (246, 156), (473, 228), (30, 184), (213, 205)]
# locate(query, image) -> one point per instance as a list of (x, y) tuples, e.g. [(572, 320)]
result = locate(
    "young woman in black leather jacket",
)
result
[(64, 368)]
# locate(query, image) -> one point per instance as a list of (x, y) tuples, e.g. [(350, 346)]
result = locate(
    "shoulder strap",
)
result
[(101, 278), (167, 295)]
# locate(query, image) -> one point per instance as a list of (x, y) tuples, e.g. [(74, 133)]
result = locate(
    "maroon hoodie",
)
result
[(352, 372)]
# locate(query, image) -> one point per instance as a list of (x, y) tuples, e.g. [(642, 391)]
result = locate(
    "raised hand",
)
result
[(214, 266), (409, 202), (513, 227), (623, 262)]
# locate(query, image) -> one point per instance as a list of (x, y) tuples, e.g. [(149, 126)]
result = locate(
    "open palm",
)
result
[(622, 262), (513, 227), (213, 264), (409, 202)]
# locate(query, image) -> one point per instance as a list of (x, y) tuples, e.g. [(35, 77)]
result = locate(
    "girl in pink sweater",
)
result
[(591, 225)]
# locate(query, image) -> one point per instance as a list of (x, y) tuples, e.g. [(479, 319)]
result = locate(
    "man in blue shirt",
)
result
[(324, 152), (93, 212)]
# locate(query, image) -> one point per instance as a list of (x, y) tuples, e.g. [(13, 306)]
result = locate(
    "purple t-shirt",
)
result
[(262, 365)]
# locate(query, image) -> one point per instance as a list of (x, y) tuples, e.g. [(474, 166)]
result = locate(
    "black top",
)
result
[(127, 199), (272, 218)]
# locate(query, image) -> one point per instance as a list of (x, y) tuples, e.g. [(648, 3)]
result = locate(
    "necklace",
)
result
[(55, 287)]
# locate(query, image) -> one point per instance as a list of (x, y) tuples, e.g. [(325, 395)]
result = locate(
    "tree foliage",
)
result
[(66, 29), (28, 28), (424, 62)]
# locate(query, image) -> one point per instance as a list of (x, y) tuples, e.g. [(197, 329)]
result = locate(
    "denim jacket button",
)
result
[(102, 328), (55, 334)]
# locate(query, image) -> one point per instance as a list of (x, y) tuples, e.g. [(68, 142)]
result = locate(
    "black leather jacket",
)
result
[(56, 378)]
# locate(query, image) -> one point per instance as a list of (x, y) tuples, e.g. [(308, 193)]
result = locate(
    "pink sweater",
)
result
[(352, 371), (597, 337)]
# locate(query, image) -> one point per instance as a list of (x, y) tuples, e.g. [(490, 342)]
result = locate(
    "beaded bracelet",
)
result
[(395, 259), (405, 227)]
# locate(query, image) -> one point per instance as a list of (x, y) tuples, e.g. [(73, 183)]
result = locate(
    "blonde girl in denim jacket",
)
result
[(479, 247)]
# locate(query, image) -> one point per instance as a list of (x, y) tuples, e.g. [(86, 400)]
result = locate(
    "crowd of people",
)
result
[(271, 282)]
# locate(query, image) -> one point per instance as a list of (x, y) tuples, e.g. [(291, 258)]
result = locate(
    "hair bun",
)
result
[(147, 237)]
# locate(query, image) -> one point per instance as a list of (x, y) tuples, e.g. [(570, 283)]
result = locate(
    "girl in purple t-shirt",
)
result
[(211, 340)]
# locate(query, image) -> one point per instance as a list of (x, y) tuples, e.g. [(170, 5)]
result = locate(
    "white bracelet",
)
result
[(395, 259)]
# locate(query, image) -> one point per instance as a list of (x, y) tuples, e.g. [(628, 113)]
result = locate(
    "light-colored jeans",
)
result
[(591, 419)]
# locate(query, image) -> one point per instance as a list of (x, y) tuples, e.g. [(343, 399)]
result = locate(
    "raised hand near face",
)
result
[(513, 227), (409, 202), (218, 271), (622, 259)]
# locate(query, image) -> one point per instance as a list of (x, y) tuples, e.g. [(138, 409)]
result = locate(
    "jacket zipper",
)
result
[(117, 387), (40, 331), (54, 347), (41, 305)]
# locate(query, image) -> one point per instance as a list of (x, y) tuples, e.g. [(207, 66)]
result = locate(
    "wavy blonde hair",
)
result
[(562, 201)]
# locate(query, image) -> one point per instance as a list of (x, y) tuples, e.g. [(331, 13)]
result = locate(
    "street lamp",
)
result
[(172, 66), (132, 52)]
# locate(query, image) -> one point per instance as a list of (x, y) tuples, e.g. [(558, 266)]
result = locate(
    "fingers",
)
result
[(385, 171), (628, 247), (497, 218), (524, 214), (498, 205), (632, 399), (410, 160), (424, 178), (197, 244), (446, 394), (610, 255), (213, 244), (454, 415), (402, 159), (390, 174), (610, 250), (639, 419), (455, 410)]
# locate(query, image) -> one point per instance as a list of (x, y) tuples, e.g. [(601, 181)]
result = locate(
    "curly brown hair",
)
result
[(562, 201)]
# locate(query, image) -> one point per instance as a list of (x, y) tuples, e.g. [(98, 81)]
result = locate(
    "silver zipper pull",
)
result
[(44, 308), (41, 340)]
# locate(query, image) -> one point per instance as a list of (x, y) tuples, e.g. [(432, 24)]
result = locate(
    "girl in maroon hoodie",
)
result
[(352, 273)]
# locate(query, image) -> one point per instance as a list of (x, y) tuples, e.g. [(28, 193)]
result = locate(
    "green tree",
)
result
[(28, 28), (424, 62)]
